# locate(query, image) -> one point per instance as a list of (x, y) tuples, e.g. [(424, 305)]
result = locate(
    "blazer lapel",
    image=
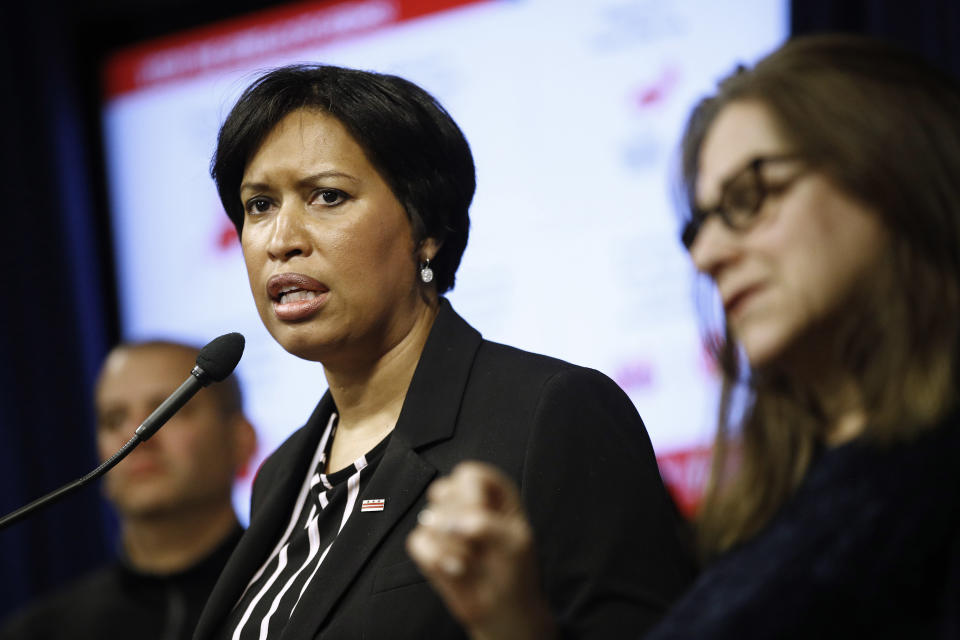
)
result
[(361, 536), (287, 470), (433, 400), (429, 414)]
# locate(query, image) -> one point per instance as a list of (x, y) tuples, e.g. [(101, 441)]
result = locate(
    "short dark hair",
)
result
[(227, 393), (406, 134)]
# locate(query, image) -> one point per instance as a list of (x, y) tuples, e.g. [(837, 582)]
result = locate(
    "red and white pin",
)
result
[(375, 504)]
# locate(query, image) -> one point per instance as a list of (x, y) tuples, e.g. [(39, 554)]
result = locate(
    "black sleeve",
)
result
[(610, 547)]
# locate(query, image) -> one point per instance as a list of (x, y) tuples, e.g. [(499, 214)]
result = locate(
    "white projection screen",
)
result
[(573, 110)]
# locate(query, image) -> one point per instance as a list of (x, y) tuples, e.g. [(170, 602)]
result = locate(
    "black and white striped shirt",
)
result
[(322, 509)]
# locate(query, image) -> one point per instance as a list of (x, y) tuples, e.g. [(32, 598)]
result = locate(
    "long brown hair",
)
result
[(885, 128)]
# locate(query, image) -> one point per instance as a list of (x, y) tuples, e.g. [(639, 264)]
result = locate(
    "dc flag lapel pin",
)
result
[(375, 504)]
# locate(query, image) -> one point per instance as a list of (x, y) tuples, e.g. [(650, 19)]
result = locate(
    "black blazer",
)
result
[(611, 557)]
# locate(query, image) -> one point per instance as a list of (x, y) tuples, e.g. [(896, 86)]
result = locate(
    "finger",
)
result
[(463, 488), (477, 531), (441, 490), (481, 483), (457, 589), (473, 484), (438, 556)]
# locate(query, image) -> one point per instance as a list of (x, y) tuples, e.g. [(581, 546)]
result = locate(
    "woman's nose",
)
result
[(714, 247), (288, 237)]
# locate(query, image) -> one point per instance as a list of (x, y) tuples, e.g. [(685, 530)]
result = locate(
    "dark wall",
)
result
[(928, 27), (60, 315), (56, 317)]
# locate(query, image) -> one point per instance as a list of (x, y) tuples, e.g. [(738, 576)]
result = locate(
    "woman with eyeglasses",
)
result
[(823, 188)]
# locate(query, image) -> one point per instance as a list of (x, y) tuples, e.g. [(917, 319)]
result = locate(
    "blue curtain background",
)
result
[(56, 319), (60, 313)]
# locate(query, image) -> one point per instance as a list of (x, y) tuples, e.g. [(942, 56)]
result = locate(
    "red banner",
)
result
[(685, 472), (249, 38)]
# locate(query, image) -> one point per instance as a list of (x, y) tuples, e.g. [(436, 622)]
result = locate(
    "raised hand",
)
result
[(474, 543)]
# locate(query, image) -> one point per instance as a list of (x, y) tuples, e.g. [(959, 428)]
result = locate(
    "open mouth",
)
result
[(294, 287), (296, 296)]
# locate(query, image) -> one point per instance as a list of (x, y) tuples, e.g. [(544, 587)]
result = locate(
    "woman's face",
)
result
[(785, 277), (328, 248)]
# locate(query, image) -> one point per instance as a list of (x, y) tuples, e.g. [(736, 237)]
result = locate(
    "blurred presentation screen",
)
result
[(573, 110)]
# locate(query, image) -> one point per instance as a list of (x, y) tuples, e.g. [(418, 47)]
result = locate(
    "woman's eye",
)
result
[(330, 197), (742, 199), (257, 205)]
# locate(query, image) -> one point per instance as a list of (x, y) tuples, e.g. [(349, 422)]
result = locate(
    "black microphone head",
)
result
[(220, 357)]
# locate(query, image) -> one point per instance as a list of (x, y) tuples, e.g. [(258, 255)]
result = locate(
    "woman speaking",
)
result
[(350, 193)]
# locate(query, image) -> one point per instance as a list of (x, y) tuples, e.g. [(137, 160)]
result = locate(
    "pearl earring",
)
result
[(426, 273)]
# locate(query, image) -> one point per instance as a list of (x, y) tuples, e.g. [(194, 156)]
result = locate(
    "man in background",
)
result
[(172, 495)]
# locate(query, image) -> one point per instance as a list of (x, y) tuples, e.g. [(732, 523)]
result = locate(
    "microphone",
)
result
[(215, 362)]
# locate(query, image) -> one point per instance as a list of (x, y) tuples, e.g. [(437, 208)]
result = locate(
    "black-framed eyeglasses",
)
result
[(741, 197)]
